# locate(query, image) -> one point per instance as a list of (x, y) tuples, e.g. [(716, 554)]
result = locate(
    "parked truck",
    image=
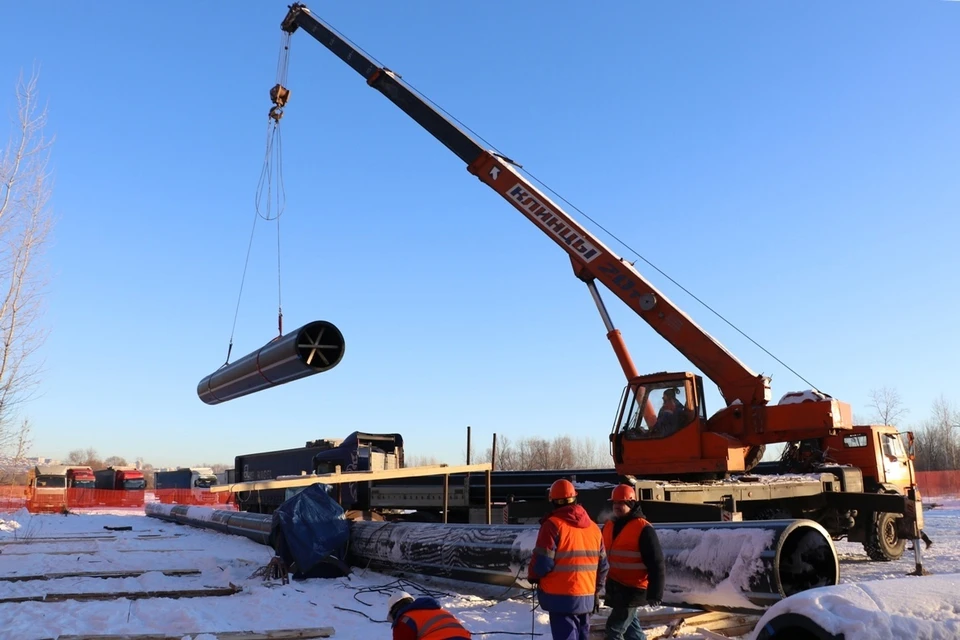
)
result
[(47, 489), (81, 487), (127, 481), (185, 478), (682, 444)]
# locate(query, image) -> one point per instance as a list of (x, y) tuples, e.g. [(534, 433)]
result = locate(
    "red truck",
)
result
[(81, 487), (128, 480)]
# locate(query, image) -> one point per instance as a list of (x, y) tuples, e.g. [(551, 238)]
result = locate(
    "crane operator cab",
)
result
[(659, 406)]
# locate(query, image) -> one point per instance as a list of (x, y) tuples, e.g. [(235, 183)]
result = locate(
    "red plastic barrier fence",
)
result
[(938, 483), (47, 500)]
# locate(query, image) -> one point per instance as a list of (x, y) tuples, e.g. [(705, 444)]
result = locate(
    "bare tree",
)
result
[(562, 452), (887, 405), (938, 439), (421, 461), (25, 221), (85, 458), (115, 461)]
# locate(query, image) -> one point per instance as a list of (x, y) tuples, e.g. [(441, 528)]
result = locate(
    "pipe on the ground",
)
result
[(727, 564), (255, 526), (721, 564)]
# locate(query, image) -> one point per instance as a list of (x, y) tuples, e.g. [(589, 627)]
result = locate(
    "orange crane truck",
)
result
[(707, 454)]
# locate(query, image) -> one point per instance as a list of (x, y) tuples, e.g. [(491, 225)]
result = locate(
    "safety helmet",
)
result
[(396, 600), (562, 489), (623, 493)]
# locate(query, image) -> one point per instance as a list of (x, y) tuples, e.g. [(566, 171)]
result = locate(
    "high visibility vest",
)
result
[(626, 563), (435, 624), (576, 559)]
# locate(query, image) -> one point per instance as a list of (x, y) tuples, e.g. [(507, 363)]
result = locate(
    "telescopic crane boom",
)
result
[(677, 441)]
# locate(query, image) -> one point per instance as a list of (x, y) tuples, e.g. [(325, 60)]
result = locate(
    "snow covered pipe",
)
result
[(724, 564), (892, 609), (255, 526), (731, 564), (313, 348)]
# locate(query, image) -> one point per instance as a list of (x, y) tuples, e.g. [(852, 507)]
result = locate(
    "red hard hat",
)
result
[(623, 493), (562, 489)]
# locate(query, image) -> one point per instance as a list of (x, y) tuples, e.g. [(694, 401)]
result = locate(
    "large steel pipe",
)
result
[(255, 526), (313, 348), (729, 564), (720, 564)]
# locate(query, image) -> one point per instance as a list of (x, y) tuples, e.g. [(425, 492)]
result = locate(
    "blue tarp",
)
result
[(311, 535)]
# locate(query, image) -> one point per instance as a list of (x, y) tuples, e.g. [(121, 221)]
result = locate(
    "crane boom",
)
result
[(592, 259)]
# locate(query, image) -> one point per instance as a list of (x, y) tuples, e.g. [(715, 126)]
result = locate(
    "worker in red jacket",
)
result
[(569, 565), (636, 575), (422, 619)]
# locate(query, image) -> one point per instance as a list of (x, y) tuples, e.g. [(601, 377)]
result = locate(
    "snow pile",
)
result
[(355, 606), (9, 525), (917, 608)]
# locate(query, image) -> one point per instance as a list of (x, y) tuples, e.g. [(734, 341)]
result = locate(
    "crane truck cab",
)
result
[(47, 489)]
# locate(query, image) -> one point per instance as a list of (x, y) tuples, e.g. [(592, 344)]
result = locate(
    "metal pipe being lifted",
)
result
[(720, 564), (313, 348)]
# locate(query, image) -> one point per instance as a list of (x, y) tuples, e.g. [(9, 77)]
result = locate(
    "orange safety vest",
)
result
[(435, 624), (626, 563), (576, 559)]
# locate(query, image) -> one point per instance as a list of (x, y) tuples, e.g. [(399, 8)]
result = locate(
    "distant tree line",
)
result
[(560, 452), (937, 438)]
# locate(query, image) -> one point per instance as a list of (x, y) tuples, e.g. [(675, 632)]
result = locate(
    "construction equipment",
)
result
[(681, 440)]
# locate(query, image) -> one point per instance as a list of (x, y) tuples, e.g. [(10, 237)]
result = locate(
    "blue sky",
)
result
[(794, 164)]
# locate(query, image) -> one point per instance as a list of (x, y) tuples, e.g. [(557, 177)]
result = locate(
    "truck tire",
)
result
[(883, 544)]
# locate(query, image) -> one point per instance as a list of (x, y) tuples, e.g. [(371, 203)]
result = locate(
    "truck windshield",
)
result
[(137, 484), (83, 484), (668, 401), (206, 481), (52, 482)]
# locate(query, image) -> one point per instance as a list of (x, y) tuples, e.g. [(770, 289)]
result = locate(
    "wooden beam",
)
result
[(349, 476), (129, 595), (276, 634), (98, 574)]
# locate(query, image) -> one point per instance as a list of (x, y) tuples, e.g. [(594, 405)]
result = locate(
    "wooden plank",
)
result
[(101, 538), (129, 595), (98, 574), (349, 476), (276, 634)]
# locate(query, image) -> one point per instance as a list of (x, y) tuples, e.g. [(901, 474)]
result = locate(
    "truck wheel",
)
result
[(883, 543)]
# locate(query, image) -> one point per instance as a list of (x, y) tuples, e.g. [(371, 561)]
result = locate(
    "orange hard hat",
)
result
[(623, 493), (562, 489)]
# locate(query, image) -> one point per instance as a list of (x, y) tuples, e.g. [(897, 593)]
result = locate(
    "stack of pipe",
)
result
[(725, 564)]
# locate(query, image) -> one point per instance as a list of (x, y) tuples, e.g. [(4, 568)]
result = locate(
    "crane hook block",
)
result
[(313, 348), (279, 95)]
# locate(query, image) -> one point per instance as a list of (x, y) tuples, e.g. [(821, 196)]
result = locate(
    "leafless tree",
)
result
[(86, 458), (562, 452), (938, 439), (887, 405), (115, 461), (25, 221), (420, 461)]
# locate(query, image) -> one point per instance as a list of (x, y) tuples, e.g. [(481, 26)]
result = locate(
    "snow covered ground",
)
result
[(56, 544)]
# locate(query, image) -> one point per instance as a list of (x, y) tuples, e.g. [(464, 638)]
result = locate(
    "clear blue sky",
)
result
[(792, 163)]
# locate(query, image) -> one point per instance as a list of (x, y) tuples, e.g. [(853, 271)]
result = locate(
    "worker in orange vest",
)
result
[(636, 565), (422, 619), (569, 565)]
